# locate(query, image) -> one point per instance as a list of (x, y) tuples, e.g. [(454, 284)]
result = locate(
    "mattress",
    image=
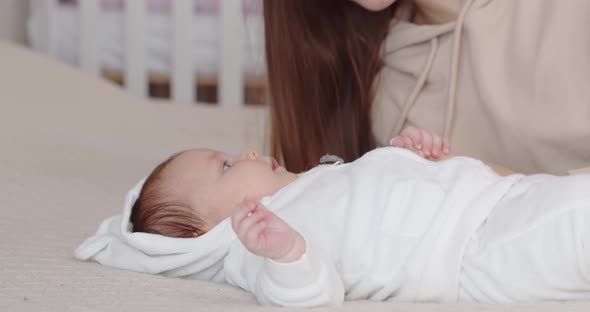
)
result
[(110, 41), (71, 147)]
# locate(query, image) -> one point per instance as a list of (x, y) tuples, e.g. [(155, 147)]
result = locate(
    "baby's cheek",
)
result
[(274, 185)]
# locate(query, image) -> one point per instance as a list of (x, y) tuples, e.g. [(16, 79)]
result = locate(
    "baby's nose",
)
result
[(250, 154)]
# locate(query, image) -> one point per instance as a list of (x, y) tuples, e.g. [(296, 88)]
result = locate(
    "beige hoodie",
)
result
[(508, 82)]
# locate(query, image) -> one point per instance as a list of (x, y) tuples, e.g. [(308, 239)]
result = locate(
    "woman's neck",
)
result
[(437, 11)]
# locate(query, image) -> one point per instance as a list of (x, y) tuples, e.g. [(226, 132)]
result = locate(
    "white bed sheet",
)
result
[(71, 146), (111, 42)]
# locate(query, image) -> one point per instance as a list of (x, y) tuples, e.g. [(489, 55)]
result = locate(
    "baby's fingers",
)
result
[(250, 221), (252, 236), (242, 211)]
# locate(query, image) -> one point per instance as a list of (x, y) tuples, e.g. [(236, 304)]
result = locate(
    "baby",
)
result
[(390, 226)]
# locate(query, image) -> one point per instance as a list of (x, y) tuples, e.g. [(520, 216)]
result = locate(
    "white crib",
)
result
[(230, 78)]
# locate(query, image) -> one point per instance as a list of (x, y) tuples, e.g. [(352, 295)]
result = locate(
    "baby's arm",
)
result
[(431, 146), (280, 268), (266, 235)]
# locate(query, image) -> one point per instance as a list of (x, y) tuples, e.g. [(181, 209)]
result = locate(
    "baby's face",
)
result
[(214, 183)]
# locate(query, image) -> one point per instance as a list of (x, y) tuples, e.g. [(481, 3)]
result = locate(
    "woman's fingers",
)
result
[(423, 142), (409, 144), (397, 141), (426, 142), (446, 147), (415, 135), (404, 142), (437, 147)]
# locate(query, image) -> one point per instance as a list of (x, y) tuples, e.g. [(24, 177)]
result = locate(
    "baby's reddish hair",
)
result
[(156, 212)]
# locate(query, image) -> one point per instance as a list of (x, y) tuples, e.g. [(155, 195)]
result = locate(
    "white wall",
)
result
[(13, 19)]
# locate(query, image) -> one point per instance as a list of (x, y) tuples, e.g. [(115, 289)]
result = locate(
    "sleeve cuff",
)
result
[(294, 274)]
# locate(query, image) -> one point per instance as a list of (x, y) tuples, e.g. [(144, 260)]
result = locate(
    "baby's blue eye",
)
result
[(226, 166)]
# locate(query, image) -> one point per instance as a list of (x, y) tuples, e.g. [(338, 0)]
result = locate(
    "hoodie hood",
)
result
[(116, 245)]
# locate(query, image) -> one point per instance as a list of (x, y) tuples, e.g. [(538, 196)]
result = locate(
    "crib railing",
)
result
[(230, 78)]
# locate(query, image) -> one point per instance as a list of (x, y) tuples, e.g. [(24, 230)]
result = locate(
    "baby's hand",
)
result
[(423, 142), (266, 235)]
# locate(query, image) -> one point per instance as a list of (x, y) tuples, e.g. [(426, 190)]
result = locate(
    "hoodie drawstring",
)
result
[(417, 88), (452, 96), (452, 91)]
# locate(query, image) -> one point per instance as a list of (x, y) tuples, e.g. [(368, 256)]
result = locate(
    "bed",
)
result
[(71, 147)]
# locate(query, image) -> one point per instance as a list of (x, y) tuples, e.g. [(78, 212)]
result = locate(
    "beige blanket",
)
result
[(70, 147)]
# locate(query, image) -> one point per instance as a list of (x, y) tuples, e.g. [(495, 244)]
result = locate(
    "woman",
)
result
[(504, 81)]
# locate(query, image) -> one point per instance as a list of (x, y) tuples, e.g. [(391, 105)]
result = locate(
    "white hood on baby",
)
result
[(116, 245)]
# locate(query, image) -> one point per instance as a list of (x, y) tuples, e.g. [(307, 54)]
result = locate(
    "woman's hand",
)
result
[(266, 235), (423, 142)]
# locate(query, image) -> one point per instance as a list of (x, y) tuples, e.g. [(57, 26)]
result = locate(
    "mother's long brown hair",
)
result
[(323, 57)]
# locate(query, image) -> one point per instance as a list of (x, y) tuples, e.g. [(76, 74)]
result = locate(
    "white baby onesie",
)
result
[(534, 246), (389, 226)]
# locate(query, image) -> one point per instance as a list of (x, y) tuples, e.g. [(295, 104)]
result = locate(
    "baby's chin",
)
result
[(287, 179), (290, 176)]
